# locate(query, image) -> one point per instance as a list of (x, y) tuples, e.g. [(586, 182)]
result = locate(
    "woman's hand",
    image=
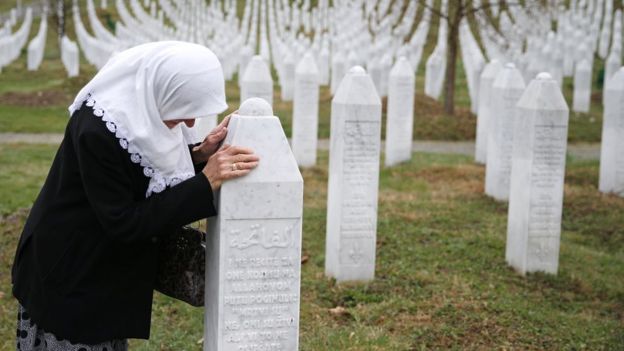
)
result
[(203, 151), (229, 162)]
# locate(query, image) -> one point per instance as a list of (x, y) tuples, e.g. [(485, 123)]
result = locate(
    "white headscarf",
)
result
[(143, 86)]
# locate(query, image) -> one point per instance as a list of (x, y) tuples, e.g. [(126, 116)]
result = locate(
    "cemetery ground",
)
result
[(441, 278)]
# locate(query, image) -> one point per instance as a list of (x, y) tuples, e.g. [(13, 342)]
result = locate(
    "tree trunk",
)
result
[(455, 14)]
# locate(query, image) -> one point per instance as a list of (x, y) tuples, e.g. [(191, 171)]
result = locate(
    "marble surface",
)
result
[(353, 179), (537, 178), (434, 74), (488, 75), (305, 112), (582, 86), (288, 79), (257, 81), (338, 70), (506, 91), (612, 148), (400, 117), (253, 249)]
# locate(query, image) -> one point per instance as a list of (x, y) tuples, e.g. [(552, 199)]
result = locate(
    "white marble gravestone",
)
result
[(434, 74), (353, 179), (323, 65), (339, 67), (400, 121), (612, 148), (246, 54), (305, 112), (257, 80), (288, 80), (582, 86), (538, 169), (488, 75), (253, 248), (612, 65), (506, 91)]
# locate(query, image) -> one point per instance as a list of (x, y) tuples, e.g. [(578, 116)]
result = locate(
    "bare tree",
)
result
[(458, 10)]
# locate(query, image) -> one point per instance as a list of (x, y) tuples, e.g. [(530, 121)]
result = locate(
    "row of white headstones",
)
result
[(253, 266)]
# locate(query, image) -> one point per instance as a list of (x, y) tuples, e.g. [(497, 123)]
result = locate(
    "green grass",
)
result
[(24, 168), (441, 280)]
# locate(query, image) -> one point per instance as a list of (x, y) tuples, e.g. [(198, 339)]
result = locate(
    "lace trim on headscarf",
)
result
[(158, 182)]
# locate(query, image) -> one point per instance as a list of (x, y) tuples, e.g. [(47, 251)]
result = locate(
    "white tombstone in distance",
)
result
[(612, 148), (323, 65), (246, 54), (353, 179), (70, 56), (506, 91), (288, 80), (339, 67), (257, 81), (305, 112), (434, 74), (612, 65), (582, 86), (253, 251), (538, 168), (385, 65), (488, 75), (400, 120), (36, 46)]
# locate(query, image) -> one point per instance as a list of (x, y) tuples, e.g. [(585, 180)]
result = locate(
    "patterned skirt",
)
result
[(31, 338)]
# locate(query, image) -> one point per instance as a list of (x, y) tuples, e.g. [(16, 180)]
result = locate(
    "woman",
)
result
[(122, 179)]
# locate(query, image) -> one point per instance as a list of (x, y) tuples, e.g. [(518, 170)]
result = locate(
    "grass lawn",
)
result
[(441, 280)]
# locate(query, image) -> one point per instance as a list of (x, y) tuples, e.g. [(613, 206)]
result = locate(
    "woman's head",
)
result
[(148, 90), (187, 81)]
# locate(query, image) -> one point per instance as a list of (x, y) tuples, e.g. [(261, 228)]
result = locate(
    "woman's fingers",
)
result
[(237, 173), (234, 150), (244, 158), (246, 165), (226, 119)]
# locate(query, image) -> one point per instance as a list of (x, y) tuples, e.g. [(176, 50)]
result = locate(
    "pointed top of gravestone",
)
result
[(491, 69), (509, 78), (257, 71), (357, 88), (357, 70), (543, 93), (544, 76), (255, 106), (402, 68), (307, 65)]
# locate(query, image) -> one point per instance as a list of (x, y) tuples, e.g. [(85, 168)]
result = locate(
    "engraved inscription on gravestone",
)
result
[(361, 157), (261, 275), (549, 151)]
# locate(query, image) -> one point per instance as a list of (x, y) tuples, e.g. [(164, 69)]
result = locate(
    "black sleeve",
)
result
[(198, 166), (109, 191)]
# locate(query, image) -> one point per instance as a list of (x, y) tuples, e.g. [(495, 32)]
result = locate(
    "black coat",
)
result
[(86, 261)]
